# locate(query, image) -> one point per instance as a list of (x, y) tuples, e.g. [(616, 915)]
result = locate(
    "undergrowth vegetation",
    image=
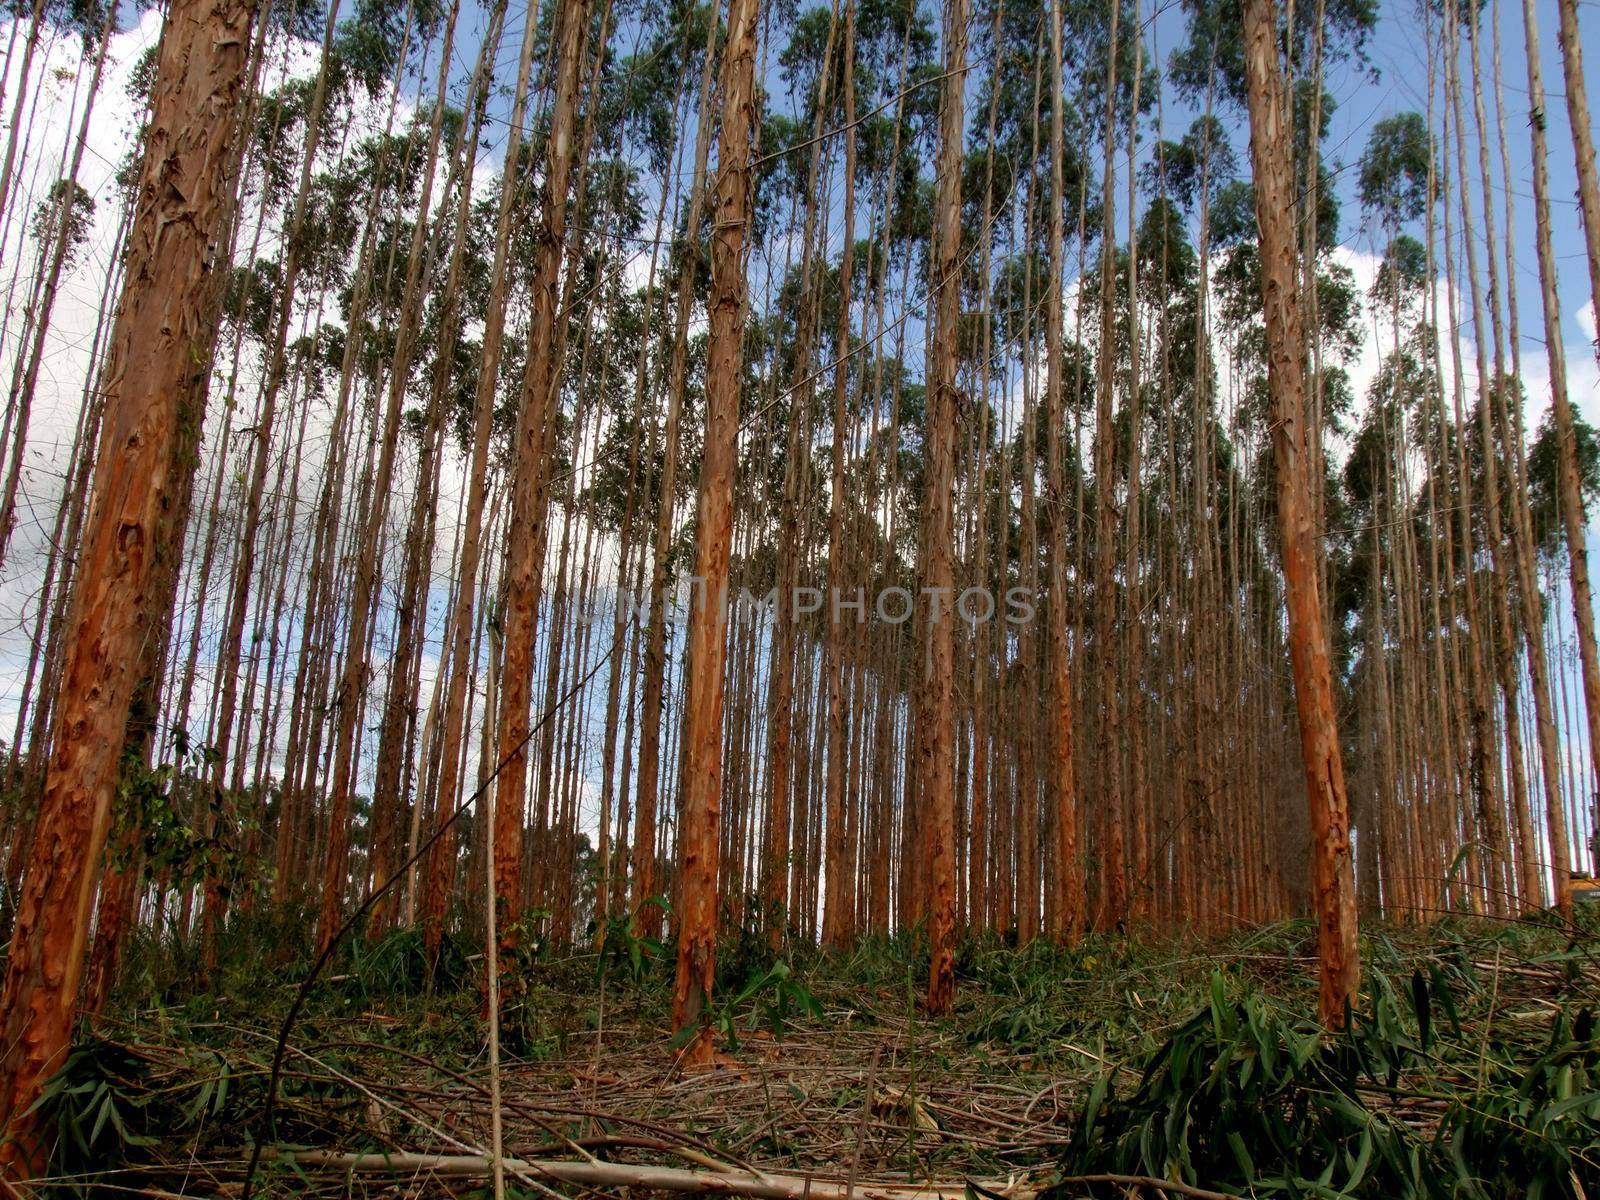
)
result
[(1470, 1069)]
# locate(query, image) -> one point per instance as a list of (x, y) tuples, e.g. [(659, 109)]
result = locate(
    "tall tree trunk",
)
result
[(25, 371), (160, 361), (411, 621), (228, 654), (1572, 510), (791, 538), (937, 734), (645, 853), (353, 680), (441, 868), (1113, 899), (838, 916), (535, 436), (1333, 880), (1067, 909), (35, 31), (702, 730)]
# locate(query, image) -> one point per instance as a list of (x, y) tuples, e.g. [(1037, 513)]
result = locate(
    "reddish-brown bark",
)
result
[(937, 737), (702, 731), (160, 358), (1333, 883), (1068, 901), (529, 500)]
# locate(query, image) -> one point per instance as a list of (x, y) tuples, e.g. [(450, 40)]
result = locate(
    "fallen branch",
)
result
[(766, 1186)]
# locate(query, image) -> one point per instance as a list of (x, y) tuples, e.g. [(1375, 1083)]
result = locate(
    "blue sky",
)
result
[(1399, 54)]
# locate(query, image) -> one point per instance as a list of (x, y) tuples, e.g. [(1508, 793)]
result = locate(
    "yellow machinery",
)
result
[(1581, 889)]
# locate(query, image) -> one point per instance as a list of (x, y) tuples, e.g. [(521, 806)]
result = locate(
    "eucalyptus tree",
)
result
[(385, 167), (90, 20), (1396, 169), (1271, 145), (340, 348), (1576, 87), (1069, 899), (441, 868), (838, 915), (359, 53), (421, 252), (811, 75), (443, 338), (1572, 506), (1086, 356), (529, 482), (936, 690), (61, 225), (646, 910), (155, 383), (702, 737)]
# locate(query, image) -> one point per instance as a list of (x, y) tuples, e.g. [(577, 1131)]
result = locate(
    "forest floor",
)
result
[(1072, 1072)]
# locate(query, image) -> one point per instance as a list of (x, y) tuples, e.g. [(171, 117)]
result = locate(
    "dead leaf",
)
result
[(899, 1101)]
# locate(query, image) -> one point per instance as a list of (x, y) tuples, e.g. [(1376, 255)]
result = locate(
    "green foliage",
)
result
[(1250, 1097), (82, 19), (296, 18), (1213, 59), (774, 997), (396, 965), (1474, 1074), (1403, 275), (66, 216), (189, 830), (1544, 477), (1047, 1000), (113, 1104), (1396, 169), (624, 954), (745, 949), (97, 1101), (1195, 166)]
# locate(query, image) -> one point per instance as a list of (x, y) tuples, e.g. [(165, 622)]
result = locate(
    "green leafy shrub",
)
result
[(396, 965), (1246, 1098), (774, 997), (624, 954), (111, 1105)]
